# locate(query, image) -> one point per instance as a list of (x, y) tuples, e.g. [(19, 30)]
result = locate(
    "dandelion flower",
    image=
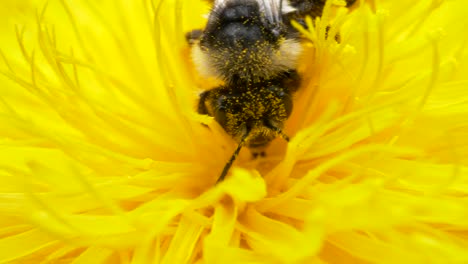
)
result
[(103, 158)]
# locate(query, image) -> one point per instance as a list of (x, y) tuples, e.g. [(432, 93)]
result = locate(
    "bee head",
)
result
[(246, 39), (255, 111)]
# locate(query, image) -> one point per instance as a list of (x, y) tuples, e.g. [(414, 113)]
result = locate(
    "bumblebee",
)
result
[(251, 46)]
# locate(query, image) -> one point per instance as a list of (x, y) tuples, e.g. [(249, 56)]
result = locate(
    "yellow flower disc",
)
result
[(104, 159)]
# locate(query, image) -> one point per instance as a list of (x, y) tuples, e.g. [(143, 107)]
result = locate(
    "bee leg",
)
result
[(193, 36), (312, 8), (308, 7)]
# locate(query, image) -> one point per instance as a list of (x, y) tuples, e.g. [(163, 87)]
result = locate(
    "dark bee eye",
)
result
[(220, 109), (288, 104), (225, 104), (220, 116)]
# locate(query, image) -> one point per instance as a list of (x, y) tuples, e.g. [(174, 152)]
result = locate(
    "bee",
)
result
[(251, 46)]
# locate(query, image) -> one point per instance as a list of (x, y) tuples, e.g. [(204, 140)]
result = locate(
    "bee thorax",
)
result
[(239, 42)]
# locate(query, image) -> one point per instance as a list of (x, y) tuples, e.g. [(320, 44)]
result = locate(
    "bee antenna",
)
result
[(277, 130), (281, 133), (233, 158)]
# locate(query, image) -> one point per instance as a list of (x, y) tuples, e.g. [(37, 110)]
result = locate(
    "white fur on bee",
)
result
[(283, 59)]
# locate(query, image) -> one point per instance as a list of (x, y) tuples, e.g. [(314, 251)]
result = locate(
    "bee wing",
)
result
[(275, 9), (272, 9)]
